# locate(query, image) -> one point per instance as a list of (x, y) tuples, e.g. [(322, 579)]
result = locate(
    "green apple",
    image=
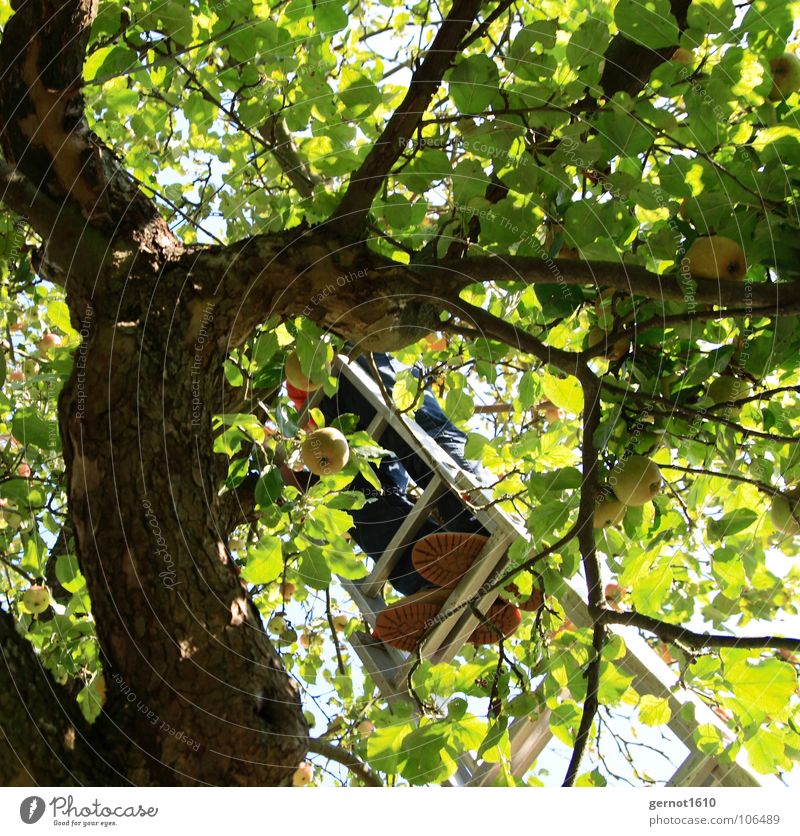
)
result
[(716, 257), (294, 374), (636, 480), (36, 599), (785, 513), (608, 511)]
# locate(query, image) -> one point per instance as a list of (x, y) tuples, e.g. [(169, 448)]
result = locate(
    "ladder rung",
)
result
[(376, 426), (403, 537)]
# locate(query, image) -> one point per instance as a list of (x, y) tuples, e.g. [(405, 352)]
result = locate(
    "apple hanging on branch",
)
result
[(785, 513), (325, 451), (36, 599), (716, 257), (637, 480)]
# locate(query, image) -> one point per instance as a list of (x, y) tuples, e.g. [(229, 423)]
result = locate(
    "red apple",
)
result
[(48, 342), (365, 728), (24, 470)]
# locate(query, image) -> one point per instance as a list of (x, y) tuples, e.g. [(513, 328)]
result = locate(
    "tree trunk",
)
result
[(192, 680)]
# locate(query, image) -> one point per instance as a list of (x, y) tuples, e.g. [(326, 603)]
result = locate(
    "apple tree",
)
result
[(577, 219)]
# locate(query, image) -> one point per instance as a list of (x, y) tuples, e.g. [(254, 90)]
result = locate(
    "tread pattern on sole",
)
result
[(402, 625), (444, 558)]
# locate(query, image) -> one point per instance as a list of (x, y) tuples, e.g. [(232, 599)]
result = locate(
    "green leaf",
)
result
[(176, 19), (647, 22), (30, 428), (473, 83), (496, 746), (731, 523), (405, 389), (269, 487), (330, 16), (58, 315), (68, 573), (314, 569), (711, 16), (565, 393), (765, 751), (768, 685), (360, 94), (652, 588), (588, 43), (264, 562), (728, 569), (654, 711), (427, 168), (386, 750), (708, 739)]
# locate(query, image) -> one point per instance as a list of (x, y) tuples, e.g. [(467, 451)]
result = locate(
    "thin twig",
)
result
[(345, 758)]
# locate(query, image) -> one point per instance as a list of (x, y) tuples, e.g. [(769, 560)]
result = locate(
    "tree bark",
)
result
[(43, 737)]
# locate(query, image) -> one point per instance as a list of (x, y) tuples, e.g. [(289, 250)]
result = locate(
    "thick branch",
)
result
[(69, 240), (461, 272), (336, 753), (689, 638), (281, 145), (508, 333), (367, 181), (45, 136)]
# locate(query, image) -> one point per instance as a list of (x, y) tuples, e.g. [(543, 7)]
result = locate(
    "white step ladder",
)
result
[(390, 668)]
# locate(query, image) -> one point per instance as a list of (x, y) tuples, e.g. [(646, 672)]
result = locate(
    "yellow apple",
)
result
[(785, 76), (302, 775), (608, 511), (365, 728), (716, 257), (785, 514), (325, 451), (277, 624), (636, 480)]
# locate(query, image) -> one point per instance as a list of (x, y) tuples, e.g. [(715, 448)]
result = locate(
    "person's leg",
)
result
[(385, 510), (432, 420)]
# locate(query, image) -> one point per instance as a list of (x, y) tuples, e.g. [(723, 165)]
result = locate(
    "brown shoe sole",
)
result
[(444, 558), (403, 624)]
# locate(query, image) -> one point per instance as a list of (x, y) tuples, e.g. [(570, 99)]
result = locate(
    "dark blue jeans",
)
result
[(378, 521)]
